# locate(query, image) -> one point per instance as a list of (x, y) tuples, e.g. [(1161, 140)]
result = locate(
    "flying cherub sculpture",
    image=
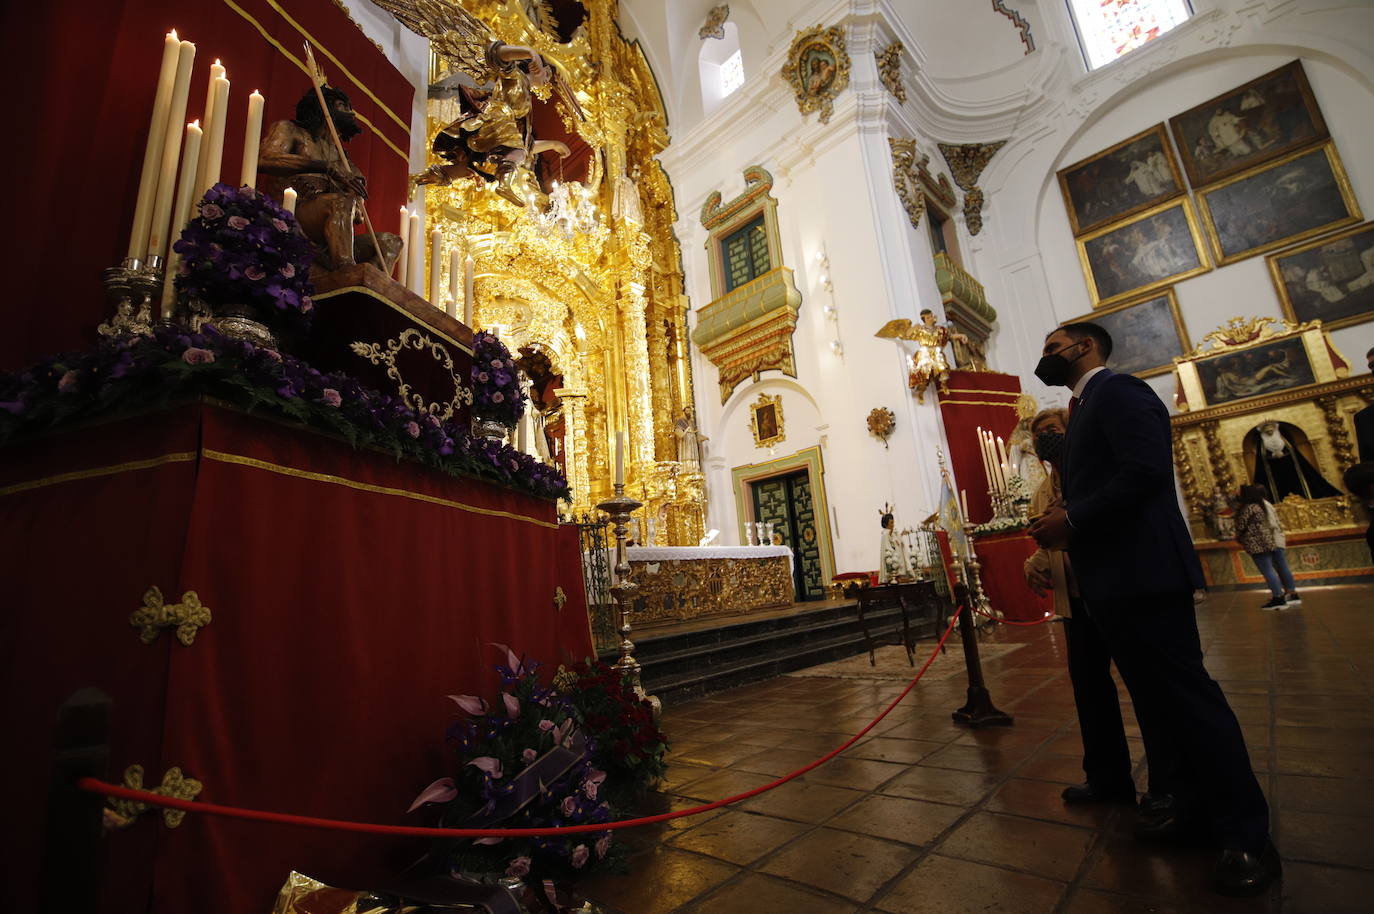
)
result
[(928, 361), (495, 84)]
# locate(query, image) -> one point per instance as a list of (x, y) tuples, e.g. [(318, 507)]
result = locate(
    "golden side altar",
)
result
[(682, 583)]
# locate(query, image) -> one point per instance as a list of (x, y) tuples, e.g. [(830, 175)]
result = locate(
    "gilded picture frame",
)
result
[(817, 69), (1330, 279), (1253, 123), (1139, 172), (1147, 333), (1154, 249), (1256, 358), (765, 420), (1301, 195)]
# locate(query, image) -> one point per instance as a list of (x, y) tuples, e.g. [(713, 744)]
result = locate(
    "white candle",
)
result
[(1001, 463), (214, 137), (469, 302), (252, 139), (963, 502), (181, 213), (288, 200), (207, 118), (402, 260), (415, 269), (455, 278), (620, 458), (983, 450), (436, 266), (152, 152), (171, 149)]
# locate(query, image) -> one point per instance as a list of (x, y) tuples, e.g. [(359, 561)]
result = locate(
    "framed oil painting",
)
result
[(1261, 120), (1156, 248), (1265, 369), (1146, 334), (1330, 279), (766, 420), (1131, 176), (1298, 196)]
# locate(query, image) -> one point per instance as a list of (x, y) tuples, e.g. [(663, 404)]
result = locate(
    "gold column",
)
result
[(1187, 478), (1216, 454), (1341, 445)]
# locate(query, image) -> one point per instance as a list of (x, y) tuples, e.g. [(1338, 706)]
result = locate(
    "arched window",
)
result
[(1109, 28), (721, 66)]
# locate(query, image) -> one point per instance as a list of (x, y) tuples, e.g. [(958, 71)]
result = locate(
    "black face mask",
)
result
[(1053, 370), (1049, 446)]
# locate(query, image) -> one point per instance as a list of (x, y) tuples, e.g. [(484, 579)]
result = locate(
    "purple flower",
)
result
[(67, 383), (519, 868), (210, 211), (331, 397), (197, 356), (579, 856), (603, 844), (238, 223), (255, 273), (413, 429)]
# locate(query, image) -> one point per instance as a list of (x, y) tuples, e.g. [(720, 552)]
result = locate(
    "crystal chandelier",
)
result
[(570, 210)]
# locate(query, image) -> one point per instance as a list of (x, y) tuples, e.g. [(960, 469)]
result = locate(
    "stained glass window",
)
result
[(731, 74), (1109, 28)]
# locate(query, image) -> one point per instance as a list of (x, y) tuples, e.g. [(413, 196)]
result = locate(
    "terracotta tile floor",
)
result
[(924, 816)]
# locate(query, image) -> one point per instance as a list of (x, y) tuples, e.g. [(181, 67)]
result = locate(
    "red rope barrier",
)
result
[(95, 785), (1047, 618)]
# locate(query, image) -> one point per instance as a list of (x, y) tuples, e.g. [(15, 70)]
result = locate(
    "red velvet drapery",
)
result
[(350, 594), (977, 399)]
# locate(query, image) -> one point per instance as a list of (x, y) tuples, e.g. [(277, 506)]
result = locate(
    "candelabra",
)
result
[(623, 590), (974, 571), (132, 287)]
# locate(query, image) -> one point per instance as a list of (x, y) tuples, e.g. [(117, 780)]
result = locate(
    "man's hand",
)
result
[(1052, 530), (1039, 581)]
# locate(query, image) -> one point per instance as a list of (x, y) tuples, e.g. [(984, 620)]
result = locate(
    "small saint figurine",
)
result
[(689, 439), (300, 153), (928, 361), (894, 564)]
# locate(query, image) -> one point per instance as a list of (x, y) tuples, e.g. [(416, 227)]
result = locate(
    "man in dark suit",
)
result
[(1137, 572), (1364, 423)]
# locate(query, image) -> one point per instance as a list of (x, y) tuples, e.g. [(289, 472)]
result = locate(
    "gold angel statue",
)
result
[(494, 84), (928, 361)]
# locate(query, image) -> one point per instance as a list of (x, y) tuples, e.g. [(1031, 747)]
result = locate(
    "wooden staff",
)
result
[(317, 79)]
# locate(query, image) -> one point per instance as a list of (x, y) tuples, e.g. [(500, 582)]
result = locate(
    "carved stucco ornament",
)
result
[(121, 813), (187, 617), (714, 26), (890, 70), (817, 69), (966, 162), (914, 182)]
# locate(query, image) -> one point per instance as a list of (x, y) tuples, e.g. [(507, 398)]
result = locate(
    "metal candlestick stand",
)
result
[(623, 590), (132, 287), (974, 571)]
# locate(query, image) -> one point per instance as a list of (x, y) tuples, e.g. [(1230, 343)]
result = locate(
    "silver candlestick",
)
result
[(132, 287), (623, 590)]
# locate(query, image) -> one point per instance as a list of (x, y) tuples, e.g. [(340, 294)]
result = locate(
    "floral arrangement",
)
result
[(137, 372), (1001, 525), (576, 752), (241, 248), (496, 392), (1018, 488)]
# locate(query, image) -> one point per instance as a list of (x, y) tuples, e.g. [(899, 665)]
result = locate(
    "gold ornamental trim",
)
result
[(95, 472), (187, 617), (817, 69), (280, 470), (1239, 332), (412, 338), (121, 813)]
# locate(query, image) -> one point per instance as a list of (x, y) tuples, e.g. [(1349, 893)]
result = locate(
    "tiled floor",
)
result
[(923, 816)]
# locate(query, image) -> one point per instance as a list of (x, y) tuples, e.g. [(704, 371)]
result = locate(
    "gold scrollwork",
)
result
[(967, 161), (413, 338), (817, 68), (914, 183), (187, 617), (673, 591), (1303, 515), (1187, 478), (121, 813), (1239, 332), (1221, 467), (890, 70), (1340, 435), (559, 598)]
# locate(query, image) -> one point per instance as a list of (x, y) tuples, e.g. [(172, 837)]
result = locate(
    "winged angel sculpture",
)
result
[(928, 361), (494, 84)]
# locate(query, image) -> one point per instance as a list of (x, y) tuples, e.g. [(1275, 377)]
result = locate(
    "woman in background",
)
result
[(1261, 535)]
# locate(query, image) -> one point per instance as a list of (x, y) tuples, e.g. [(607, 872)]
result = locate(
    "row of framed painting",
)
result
[(1265, 174)]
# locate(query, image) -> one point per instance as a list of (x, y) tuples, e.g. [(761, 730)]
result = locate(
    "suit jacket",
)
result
[(1364, 433), (1129, 536)]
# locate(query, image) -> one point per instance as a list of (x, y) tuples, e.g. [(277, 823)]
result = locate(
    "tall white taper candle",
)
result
[(181, 213), (403, 260), (214, 137), (436, 268), (207, 118), (171, 150), (252, 139), (152, 152), (469, 303), (455, 279), (415, 270)]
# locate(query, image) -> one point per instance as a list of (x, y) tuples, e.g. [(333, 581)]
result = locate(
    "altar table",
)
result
[(349, 592), (678, 583)]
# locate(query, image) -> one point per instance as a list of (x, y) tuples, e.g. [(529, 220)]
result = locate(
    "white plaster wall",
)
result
[(408, 53)]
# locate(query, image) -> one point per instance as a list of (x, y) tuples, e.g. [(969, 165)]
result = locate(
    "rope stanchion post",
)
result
[(978, 710), (70, 870)]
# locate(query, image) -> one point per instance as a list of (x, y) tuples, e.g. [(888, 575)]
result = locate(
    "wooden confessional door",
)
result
[(786, 503)]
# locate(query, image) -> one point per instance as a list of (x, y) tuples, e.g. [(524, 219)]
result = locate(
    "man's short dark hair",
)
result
[(1084, 330)]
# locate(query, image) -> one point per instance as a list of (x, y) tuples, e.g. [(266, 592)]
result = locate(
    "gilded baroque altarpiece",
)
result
[(607, 305)]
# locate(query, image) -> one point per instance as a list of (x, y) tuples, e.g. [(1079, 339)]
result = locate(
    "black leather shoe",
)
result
[(1090, 793), (1165, 819), (1240, 874)]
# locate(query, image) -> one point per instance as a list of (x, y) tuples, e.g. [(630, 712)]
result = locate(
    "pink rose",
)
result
[(569, 805), (579, 856), (255, 273), (483, 377), (279, 225), (238, 223), (288, 270), (529, 755), (519, 868), (272, 354), (496, 363), (194, 356), (592, 782), (67, 381), (413, 429), (331, 397), (210, 211), (307, 305), (546, 725), (498, 397), (603, 844)]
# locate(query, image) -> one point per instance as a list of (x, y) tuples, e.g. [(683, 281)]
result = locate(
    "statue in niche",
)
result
[(300, 154), (495, 84), (894, 565), (928, 361), (689, 440), (1280, 466)]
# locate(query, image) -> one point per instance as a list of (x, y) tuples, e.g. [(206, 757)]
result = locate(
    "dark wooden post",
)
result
[(70, 870), (979, 710)]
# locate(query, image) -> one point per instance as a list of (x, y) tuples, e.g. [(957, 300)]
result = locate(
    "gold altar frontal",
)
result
[(685, 584)]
